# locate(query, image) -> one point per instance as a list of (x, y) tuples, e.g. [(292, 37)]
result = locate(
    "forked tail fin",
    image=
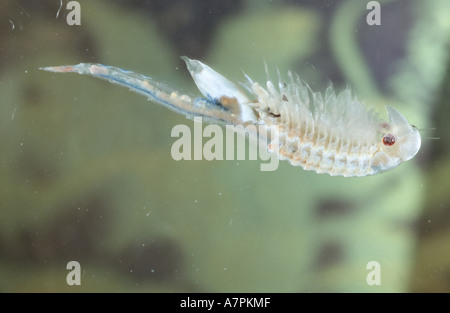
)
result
[(221, 95)]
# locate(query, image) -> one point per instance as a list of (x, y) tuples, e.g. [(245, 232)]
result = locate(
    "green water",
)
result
[(86, 172)]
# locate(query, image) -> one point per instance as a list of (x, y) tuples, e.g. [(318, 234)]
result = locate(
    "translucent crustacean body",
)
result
[(331, 133)]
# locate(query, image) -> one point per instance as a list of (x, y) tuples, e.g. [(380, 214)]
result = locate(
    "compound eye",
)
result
[(388, 140)]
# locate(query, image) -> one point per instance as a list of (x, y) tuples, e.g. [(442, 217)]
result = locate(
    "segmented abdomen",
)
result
[(323, 152)]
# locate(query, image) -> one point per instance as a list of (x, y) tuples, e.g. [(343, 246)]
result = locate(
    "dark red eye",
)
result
[(388, 139)]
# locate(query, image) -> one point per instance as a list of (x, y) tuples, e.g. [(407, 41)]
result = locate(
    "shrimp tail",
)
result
[(216, 105)]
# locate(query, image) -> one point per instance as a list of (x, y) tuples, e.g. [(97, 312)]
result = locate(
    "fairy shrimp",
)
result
[(333, 133)]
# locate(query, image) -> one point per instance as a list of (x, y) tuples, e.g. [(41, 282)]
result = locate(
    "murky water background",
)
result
[(86, 172)]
